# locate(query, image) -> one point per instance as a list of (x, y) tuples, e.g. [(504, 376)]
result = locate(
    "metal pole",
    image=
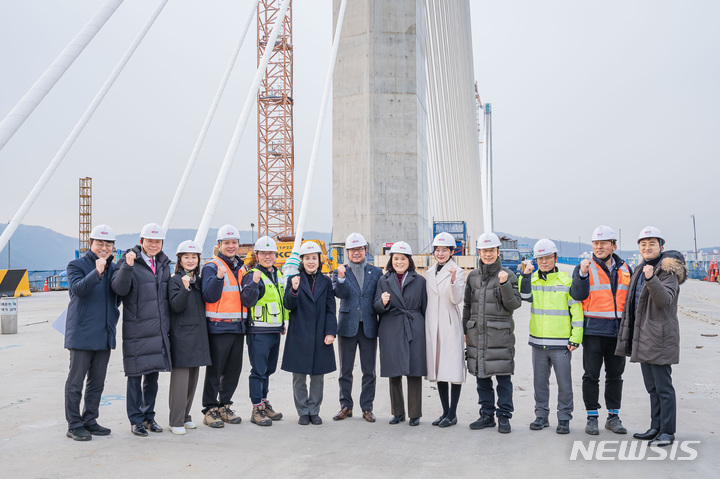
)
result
[(695, 237), (70, 140), (27, 104), (239, 128)]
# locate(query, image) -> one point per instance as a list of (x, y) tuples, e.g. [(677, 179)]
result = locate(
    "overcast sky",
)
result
[(603, 112)]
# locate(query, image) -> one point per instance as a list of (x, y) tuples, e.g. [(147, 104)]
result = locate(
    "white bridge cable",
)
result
[(240, 128), (208, 119), (454, 193), (27, 104), (292, 263), (70, 140)]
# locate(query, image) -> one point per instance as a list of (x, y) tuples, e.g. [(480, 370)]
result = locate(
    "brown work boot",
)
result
[(271, 413), (258, 417), (228, 415), (212, 418)]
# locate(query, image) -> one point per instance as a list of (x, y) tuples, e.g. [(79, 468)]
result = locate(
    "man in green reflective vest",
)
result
[(262, 293), (556, 329)]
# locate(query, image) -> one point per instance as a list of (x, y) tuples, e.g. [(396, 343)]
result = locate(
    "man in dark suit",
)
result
[(92, 317), (355, 285)]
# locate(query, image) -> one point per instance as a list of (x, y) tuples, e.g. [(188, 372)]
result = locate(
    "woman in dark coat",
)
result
[(312, 328), (189, 344), (401, 300)]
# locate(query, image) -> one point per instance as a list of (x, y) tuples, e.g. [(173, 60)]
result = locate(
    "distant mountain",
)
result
[(40, 248)]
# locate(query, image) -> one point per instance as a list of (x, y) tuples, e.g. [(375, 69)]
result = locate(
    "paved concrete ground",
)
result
[(33, 366)]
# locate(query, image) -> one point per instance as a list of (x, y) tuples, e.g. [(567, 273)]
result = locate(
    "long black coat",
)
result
[(402, 326), (312, 317), (189, 344), (92, 314), (146, 313)]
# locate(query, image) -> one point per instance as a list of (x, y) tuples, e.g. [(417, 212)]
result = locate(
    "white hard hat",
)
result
[(265, 243), (188, 246), (309, 247), (488, 240), (651, 232), (102, 232), (228, 232), (604, 233), (444, 239), (355, 240), (152, 231), (544, 247), (401, 247)]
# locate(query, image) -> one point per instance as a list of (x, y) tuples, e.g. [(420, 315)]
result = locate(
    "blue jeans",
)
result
[(486, 396)]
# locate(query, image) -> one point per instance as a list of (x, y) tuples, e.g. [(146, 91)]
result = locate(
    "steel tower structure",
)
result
[(276, 205), (85, 215)]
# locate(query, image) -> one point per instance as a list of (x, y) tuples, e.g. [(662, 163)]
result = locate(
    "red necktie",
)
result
[(152, 265)]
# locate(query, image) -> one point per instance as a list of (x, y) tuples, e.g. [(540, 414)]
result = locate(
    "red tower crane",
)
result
[(276, 205)]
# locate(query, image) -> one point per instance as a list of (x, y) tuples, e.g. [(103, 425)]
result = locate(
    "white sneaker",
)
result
[(190, 425), (178, 430)]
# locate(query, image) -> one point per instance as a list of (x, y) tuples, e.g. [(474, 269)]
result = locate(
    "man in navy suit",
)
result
[(355, 285), (90, 325)]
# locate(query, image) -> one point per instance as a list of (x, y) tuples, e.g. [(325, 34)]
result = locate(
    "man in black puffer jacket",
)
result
[(141, 279)]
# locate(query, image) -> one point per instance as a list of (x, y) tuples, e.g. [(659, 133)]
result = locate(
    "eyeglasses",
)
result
[(266, 253), (104, 244)]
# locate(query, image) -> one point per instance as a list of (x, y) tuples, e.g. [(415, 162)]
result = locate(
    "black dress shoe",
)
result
[(315, 419), (415, 421), (663, 439), (97, 430), (437, 421), (152, 426), (139, 430), (397, 419), (647, 435), (447, 422), (304, 420)]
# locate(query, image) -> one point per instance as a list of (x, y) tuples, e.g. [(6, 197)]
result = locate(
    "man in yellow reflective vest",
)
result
[(262, 293), (226, 327), (556, 329), (602, 286)]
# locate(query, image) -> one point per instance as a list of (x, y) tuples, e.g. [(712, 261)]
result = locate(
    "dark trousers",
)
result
[(223, 375), (596, 351), (397, 401), (368, 354), (183, 382), (141, 395), (486, 396), (93, 365), (658, 383), (263, 351)]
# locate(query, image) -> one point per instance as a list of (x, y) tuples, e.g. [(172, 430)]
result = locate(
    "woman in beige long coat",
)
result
[(443, 328)]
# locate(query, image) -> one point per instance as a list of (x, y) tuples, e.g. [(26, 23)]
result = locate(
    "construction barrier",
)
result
[(14, 283)]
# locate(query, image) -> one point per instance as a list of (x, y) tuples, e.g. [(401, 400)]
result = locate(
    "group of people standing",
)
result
[(440, 326)]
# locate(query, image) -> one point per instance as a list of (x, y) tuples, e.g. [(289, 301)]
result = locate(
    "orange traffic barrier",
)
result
[(45, 288)]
